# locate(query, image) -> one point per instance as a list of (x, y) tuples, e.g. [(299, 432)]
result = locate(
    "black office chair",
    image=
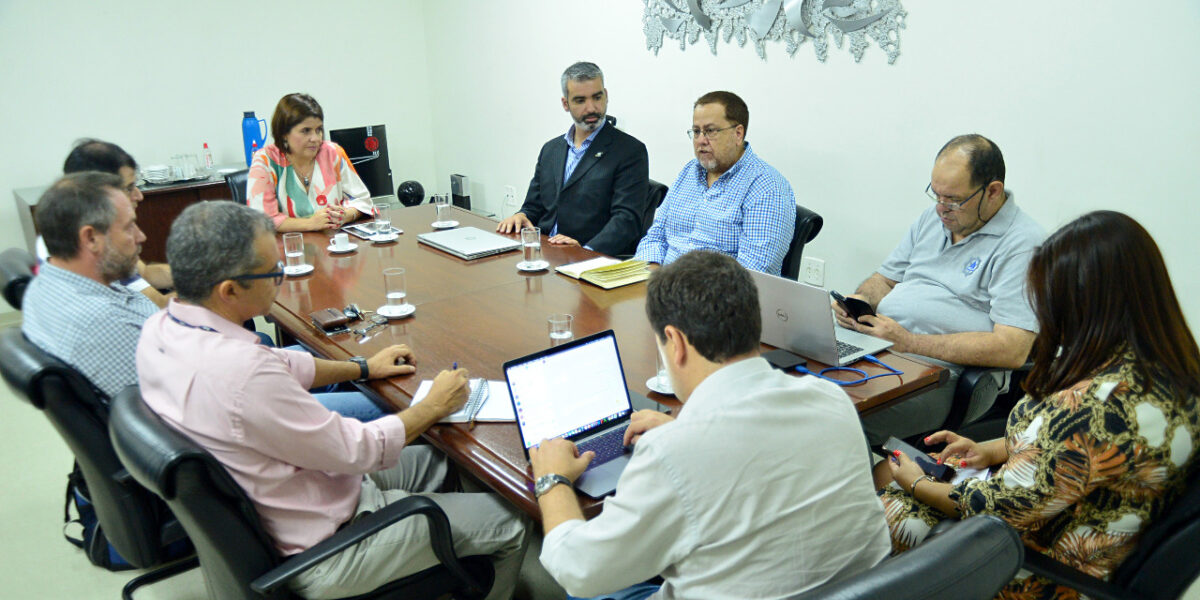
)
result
[(16, 269), (1163, 565), (237, 185), (655, 194), (237, 557), (971, 559), (138, 525), (808, 225)]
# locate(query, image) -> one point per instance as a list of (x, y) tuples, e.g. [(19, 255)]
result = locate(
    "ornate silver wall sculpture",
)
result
[(790, 21)]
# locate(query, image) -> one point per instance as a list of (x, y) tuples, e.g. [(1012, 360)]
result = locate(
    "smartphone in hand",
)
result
[(853, 306)]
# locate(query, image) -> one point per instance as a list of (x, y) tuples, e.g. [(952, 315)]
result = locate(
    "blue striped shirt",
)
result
[(749, 213)]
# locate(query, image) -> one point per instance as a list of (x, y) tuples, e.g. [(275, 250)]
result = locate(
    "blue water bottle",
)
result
[(254, 134)]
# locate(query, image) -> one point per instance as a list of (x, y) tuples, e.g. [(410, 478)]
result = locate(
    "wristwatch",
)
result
[(547, 482), (363, 371)]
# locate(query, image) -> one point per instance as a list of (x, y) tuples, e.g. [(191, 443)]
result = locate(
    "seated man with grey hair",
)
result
[(307, 470), (76, 309), (590, 186)]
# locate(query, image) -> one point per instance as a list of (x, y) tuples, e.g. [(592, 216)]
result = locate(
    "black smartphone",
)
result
[(942, 472), (853, 306), (782, 359)]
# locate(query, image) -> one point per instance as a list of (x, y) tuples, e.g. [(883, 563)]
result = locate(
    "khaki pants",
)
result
[(480, 523)]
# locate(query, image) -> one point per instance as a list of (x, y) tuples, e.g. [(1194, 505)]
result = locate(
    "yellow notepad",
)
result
[(607, 273)]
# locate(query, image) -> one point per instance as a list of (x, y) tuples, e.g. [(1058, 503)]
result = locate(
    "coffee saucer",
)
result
[(396, 312), (444, 224), (383, 238), (531, 266), (297, 270), (654, 386), (351, 247)]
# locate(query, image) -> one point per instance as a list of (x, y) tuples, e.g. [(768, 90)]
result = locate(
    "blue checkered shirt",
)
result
[(749, 213), (92, 327)]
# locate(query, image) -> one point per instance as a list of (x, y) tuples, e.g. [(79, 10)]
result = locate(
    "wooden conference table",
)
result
[(483, 312)]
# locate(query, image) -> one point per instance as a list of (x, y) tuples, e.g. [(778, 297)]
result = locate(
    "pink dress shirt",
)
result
[(249, 405)]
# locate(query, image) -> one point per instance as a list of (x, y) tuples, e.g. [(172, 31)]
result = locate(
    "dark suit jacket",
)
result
[(603, 203)]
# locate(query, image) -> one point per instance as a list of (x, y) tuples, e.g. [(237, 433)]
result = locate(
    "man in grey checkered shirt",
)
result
[(75, 309)]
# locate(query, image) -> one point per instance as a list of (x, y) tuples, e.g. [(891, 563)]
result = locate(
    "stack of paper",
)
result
[(607, 273)]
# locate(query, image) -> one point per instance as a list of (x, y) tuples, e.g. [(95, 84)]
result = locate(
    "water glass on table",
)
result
[(559, 325)]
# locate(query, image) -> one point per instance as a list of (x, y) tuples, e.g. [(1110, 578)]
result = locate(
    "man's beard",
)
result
[(114, 267)]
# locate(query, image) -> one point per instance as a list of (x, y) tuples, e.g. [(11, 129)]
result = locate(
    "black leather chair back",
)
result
[(973, 559), (134, 521), (655, 194), (1165, 562), (16, 269), (237, 185), (231, 542), (808, 225)]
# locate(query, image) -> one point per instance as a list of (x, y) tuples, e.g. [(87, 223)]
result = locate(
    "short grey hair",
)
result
[(581, 71), (213, 241), (76, 201)]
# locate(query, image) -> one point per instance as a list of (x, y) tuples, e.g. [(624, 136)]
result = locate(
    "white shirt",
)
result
[(760, 489)]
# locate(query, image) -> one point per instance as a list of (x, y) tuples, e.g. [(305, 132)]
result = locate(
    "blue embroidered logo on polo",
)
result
[(971, 266)]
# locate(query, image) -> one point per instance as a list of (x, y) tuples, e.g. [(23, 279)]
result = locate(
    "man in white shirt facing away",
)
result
[(758, 489)]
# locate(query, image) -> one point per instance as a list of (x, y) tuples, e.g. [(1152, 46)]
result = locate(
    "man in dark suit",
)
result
[(590, 186)]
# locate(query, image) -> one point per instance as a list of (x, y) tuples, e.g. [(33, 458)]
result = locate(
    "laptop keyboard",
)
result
[(607, 446), (845, 349)]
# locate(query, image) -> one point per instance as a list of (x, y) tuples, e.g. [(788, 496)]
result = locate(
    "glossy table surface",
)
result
[(484, 312)]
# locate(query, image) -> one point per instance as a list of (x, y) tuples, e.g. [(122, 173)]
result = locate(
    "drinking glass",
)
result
[(442, 202), (560, 328), (531, 242), (293, 250), (394, 285)]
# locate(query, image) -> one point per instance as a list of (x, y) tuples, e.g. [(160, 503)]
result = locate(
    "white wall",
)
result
[(1093, 103), (162, 78)]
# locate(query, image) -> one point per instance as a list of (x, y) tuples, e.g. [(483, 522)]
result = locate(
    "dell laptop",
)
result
[(575, 391), (469, 242), (799, 318)]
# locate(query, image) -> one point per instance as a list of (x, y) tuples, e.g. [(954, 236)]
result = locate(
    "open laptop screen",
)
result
[(566, 390)]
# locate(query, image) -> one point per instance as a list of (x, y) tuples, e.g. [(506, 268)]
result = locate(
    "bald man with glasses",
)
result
[(953, 290)]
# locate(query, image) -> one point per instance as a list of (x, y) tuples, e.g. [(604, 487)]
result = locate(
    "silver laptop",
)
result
[(575, 391), (468, 242), (799, 318)]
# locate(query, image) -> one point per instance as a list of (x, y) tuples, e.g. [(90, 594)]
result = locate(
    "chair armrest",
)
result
[(1044, 566), (439, 533)]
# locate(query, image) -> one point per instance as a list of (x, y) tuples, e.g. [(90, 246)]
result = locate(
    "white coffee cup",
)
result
[(341, 241)]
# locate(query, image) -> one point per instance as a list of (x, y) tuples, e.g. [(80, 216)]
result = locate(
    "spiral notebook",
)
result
[(489, 401)]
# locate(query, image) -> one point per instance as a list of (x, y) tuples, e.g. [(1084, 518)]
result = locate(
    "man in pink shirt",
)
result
[(302, 465)]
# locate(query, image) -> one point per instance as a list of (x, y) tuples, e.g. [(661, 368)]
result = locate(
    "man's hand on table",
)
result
[(514, 224), (391, 361), (561, 457)]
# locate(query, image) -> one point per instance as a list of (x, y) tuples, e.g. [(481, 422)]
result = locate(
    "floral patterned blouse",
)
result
[(275, 188), (1088, 467)]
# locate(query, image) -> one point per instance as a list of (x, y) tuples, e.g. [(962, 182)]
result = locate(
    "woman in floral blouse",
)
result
[(303, 182), (1106, 436)]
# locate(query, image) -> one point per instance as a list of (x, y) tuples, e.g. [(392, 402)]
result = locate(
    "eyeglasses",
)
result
[(277, 275), (708, 132), (957, 205)]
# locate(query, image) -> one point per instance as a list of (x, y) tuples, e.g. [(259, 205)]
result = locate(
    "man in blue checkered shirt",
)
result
[(727, 199)]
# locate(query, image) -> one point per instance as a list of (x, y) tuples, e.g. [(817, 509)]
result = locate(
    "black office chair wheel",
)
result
[(410, 193)]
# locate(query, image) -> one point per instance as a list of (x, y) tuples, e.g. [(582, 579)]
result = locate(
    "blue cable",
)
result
[(865, 378)]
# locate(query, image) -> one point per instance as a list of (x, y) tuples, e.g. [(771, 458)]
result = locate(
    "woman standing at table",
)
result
[(301, 181), (1106, 436)]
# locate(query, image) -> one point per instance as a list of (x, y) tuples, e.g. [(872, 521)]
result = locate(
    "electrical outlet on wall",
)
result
[(812, 271)]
